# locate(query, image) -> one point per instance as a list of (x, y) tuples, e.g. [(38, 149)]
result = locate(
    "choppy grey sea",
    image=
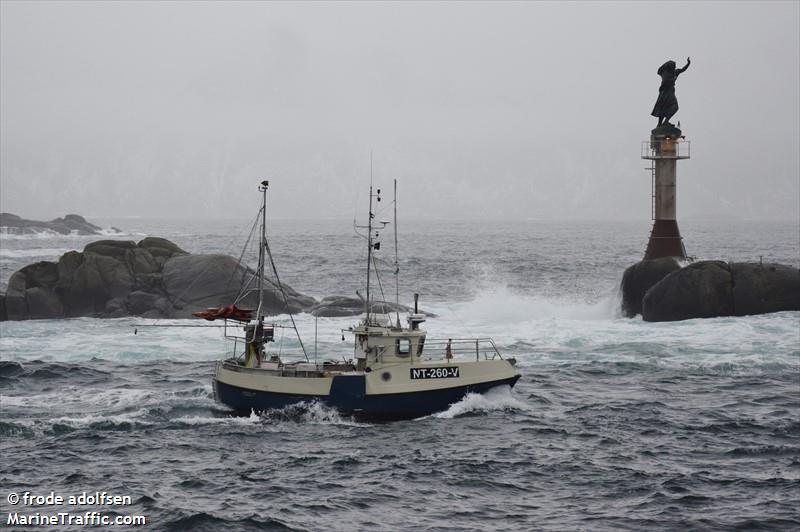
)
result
[(616, 424)]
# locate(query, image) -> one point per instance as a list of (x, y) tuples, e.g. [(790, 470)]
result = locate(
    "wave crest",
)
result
[(497, 399)]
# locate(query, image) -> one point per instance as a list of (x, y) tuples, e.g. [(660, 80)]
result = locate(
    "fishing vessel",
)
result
[(395, 372)]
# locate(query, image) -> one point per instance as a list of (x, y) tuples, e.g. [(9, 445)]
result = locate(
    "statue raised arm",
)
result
[(667, 104)]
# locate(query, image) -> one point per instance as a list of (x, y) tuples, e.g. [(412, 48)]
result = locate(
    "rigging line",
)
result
[(241, 255), (179, 297), (280, 344), (378, 277), (244, 292), (462, 320), (285, 298), (246, 286), (383, 262)]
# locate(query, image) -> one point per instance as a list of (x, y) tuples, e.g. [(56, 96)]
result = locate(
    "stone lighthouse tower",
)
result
[(664, 149)]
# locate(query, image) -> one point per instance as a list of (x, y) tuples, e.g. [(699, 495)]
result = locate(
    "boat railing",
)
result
[(289, 369), (461, 348)]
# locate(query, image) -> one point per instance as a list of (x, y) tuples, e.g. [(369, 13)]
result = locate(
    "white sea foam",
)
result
[(320, 414), (500, 305), (251, 420), (6, 253), (91, 419), (117, 398), (9, 233), (42, 234), (534, 330), (82, 339), (497, 399)]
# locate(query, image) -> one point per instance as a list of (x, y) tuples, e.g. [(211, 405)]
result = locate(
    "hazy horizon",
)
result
[(479, 110)]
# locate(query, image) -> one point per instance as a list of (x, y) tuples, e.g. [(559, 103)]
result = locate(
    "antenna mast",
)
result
[(396, 259), (369, 239)]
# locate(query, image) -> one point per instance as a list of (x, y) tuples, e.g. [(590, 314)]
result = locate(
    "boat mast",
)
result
[(263, 252), (262, 246)]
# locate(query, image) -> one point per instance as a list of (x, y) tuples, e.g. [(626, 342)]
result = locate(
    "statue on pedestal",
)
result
[(667, 104)]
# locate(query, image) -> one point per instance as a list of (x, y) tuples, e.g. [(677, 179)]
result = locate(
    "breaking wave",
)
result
[(497, 399), (6, 253), (8, 233), (501, 305)]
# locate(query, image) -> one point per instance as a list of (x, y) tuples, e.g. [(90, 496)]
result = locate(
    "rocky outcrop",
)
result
[(196, 282), (639, 278), (763, 288), (336, 306), (700, 290), (71, 223), (152, 278), (714, 288)]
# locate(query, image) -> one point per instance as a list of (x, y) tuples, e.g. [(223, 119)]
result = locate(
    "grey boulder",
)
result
[(71, 223), (639, 278), (154, 278), (700, 290), (714, 288), (763, 288)]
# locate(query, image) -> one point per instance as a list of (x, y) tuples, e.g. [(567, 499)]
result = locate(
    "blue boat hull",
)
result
[(347, 395)]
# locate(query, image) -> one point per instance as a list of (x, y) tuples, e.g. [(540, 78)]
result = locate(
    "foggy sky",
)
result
[(502, 110)]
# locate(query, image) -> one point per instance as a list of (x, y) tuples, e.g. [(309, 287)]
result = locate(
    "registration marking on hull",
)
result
[(445, 372)]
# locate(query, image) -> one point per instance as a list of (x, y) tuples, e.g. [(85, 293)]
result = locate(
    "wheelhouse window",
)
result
[(403, 346)]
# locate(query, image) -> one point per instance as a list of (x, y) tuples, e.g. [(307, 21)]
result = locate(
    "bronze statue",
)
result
[(667, 104)]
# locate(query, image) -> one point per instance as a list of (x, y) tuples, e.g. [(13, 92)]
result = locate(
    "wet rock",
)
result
[(30, 292), (68, 264), (154, 278), (116, 308), (149, 282), (43, 273), (43, 303), (139, 302), (639, 278), (195, 282), (17, 283), (714, 288), (71, 223), (700, 290), (16, 306), (110, 248), (141, 261), (160, 247), (339, 306), (78, 224), (762, 288), (99, 278)]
